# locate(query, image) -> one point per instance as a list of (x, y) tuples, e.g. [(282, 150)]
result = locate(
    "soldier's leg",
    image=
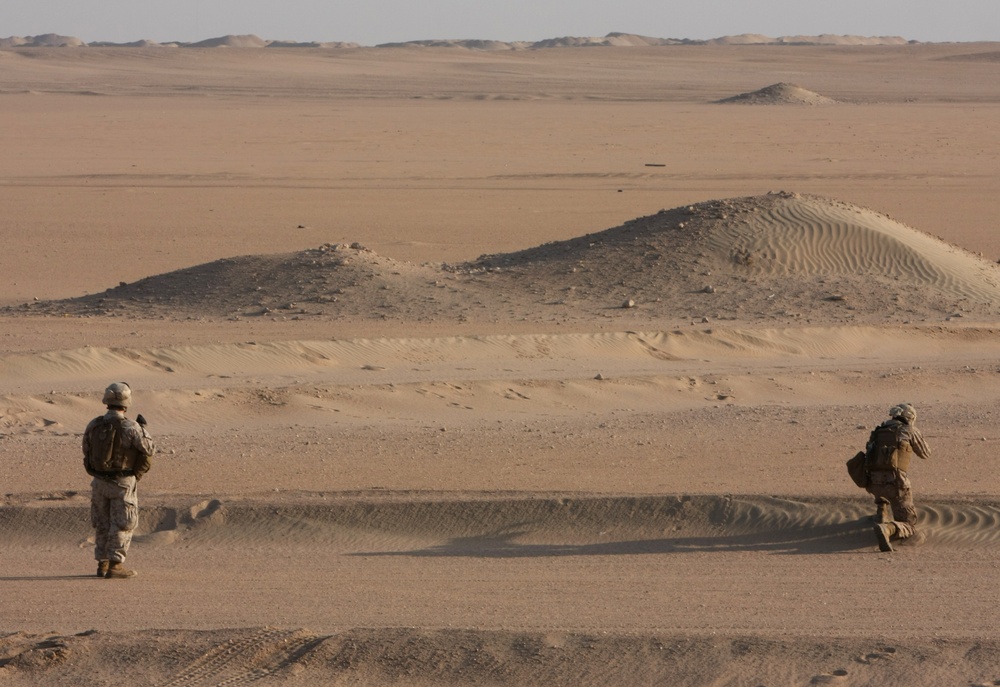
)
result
[(883, 526), (100, 519), (883, 510), (124, 518), (904, 514)]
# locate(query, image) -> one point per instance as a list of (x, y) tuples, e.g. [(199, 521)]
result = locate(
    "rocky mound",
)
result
[(332, 280), (780, 94), (780, 256)]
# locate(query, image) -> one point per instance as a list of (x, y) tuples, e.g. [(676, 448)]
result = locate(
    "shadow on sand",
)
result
[(854, 535)]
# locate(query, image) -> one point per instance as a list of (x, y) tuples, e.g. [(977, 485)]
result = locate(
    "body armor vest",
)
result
[(889, 450), (106, 452)]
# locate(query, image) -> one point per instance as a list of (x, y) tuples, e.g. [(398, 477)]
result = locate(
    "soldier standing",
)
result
[(116, 453), (888, 452)]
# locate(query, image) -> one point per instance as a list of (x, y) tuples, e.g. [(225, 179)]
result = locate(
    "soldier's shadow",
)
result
[(48, 578), (854, 535)]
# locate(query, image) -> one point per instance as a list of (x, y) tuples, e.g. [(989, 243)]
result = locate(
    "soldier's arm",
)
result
[(86, 449), (138, 438), (85, 443), (918, 444), (144, 442)]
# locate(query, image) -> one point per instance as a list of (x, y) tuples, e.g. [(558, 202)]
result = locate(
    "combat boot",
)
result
[(102, 568), (117, 571), (884, 533), (915, 539)]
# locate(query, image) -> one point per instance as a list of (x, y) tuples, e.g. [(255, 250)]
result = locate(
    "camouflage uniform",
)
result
[(891, 488), (114, 504), (114, 514)]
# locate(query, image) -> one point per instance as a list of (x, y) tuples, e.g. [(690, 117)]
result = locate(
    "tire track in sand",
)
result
[(243, 661)]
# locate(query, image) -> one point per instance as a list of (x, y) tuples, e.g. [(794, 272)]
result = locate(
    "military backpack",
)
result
[(885, 448), (105, 454)]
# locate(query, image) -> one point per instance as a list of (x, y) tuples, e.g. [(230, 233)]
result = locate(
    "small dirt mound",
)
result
[(332, 280), (780, 94)]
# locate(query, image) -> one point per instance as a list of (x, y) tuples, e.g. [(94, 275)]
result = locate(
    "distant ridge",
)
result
[(47, 40), (822, 39), (248, 41), (614, 39)]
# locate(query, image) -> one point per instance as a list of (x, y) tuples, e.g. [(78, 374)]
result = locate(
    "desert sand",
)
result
[(503, 367)]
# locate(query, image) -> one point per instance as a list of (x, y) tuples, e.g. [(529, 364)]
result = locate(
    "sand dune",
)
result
[(780, 94), (782, 256), (245, 41)]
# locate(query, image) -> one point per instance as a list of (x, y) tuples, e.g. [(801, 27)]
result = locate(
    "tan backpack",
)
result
[(884, 451), (105, 454)]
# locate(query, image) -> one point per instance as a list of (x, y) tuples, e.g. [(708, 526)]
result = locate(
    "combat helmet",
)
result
[(904, 411), (118, 394)]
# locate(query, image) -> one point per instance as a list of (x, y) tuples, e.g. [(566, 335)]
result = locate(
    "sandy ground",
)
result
[(451, 454)]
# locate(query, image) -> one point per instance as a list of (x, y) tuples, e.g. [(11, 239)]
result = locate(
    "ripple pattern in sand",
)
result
[(522, 526), (965, 524), (808, 237)]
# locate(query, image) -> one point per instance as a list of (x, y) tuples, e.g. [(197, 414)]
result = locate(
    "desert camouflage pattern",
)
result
[(893, 486), (135, 440), (114, 513), (118, 394), (114, 503), (910, 433)]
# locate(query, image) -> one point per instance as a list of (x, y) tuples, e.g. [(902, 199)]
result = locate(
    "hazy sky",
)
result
[(370, 22)]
